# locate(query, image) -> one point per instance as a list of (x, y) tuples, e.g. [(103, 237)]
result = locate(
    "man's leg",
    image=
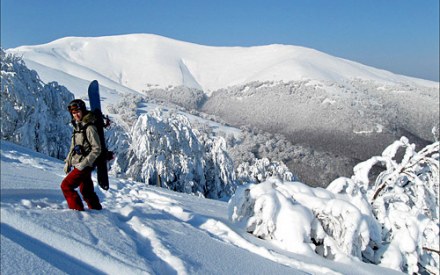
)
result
[(68, 185), (88, 192)]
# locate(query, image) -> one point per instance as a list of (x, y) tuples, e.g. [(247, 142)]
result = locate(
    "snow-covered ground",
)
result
[(142, 229)]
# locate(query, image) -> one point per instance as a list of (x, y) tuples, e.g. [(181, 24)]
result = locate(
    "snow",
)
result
[(152, 230), (151, 108), (392, 222), (142, 229), (134, 62), (154, 66)]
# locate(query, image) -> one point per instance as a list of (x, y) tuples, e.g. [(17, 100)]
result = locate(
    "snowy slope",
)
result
[(141, 230), (141, 61)]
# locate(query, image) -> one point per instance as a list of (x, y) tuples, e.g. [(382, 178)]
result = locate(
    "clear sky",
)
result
[(401, 36)]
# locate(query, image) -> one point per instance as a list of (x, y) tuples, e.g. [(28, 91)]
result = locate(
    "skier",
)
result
[(84, 150)]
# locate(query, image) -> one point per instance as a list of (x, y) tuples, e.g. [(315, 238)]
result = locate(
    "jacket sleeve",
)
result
[(95, 144), (69, 155)]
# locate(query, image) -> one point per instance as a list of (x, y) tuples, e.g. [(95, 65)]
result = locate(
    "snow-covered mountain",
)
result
[(139, 61), (334, 106)]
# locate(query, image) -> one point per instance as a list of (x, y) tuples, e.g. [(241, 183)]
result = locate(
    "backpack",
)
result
[(84, 151), (80, 149)]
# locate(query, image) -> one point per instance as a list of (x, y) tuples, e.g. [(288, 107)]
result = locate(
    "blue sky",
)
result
[(401, 36)]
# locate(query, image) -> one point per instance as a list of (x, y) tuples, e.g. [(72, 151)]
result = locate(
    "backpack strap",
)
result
[(83, 131)]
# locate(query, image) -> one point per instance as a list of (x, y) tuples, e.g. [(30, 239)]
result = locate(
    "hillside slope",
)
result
[(141, 230)]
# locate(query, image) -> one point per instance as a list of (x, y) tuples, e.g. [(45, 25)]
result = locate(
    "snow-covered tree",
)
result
[(404, 199), (33, 114), (261, 169), (166, 151), (305, 161), (127, 108), (392, 221), (302, 219), (364, 114), (219, 167), (118, 141), (256, 144)]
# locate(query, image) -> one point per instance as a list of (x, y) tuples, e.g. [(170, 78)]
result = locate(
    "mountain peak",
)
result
[(138, 61)]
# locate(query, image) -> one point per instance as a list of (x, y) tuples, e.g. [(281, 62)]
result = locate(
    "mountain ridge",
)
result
[(138, 61)]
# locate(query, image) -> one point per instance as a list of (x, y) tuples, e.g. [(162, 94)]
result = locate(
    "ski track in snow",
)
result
[(217, 229), (142, 229)]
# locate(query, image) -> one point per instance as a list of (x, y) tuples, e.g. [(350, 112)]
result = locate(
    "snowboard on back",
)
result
[(101, 162)]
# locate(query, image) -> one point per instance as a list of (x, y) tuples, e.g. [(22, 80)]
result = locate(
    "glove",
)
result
[(66, 168)]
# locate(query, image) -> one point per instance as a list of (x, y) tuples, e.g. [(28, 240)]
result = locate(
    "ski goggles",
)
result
[(74, 107), (76, 104)]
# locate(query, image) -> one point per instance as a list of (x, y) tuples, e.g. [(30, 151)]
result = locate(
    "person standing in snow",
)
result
[(84, 150)]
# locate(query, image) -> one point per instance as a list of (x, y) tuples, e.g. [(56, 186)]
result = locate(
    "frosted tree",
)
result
[(186, 97), (301, 219), (405, 201), (391, 219), (255, 143), (261, 169), (118, 141), (166, 151), (33, 113), (127, 108), (219, 167)]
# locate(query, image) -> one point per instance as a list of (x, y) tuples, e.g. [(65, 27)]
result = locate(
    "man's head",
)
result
[(77, 108)]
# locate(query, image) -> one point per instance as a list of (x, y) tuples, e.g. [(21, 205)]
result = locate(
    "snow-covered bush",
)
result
[(393, 221), (166, 151), (405, 201), (33, 114), (301, 219)]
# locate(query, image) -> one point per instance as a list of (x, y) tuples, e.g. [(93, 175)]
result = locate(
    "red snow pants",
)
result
[(83, 180)]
